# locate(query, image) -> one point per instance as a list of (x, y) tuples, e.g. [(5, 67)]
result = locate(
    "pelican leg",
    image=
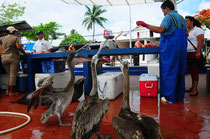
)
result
[(101, 137), (60, 122)]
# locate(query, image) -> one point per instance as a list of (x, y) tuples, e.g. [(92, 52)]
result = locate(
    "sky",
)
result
[(70, 16)]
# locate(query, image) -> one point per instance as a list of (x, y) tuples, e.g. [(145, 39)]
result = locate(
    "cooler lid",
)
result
[(109, 74), (22, 75), (148, 77)]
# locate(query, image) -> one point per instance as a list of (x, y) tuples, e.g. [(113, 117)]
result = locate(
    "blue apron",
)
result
[(173, 60)]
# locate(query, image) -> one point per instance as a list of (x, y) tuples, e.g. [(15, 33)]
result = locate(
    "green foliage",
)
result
[(73, 37), (93, 17), (10, 12), (49, 30)]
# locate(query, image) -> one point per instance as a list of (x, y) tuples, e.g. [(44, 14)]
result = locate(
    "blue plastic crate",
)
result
[(53, 66)]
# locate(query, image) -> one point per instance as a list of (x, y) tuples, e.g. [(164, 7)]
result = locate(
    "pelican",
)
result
[(78, 91), (90, 112), (129, 125), (61, 98)]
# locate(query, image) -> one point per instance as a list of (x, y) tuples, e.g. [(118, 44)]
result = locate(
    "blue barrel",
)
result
[(208, 80), (22, 83)]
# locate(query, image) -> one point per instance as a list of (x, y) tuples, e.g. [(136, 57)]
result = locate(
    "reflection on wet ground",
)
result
[(189, 119)]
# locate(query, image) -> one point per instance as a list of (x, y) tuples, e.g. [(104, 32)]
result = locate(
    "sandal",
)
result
[(188, 90), (191, 94)]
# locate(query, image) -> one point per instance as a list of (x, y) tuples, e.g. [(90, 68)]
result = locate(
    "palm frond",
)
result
[(93, 16)]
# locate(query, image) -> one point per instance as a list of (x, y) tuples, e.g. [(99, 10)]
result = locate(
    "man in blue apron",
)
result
[(173, 51)]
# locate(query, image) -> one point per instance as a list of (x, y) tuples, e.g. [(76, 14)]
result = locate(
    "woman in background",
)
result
[(10, 57), (196, 38)]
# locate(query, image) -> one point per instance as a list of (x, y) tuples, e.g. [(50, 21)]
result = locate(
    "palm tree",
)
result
[(93, 16)]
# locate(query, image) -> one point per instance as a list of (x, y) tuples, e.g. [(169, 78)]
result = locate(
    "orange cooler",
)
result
[(148, 84)]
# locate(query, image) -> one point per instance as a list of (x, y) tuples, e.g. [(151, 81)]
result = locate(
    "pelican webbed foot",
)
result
[(65, 124), (106, 137), (102, 137)]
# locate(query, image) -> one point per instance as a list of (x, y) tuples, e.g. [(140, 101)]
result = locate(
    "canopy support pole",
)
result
[(130, 42)]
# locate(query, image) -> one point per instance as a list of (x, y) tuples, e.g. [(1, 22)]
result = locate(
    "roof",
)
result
[(21, 26), (109, 2)]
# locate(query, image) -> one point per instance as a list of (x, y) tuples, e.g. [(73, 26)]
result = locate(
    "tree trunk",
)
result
[(93, 31)]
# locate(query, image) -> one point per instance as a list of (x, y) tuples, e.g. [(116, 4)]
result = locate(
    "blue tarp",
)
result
[(29, 47)]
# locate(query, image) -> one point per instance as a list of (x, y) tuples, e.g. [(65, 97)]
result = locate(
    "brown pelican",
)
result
[(129, 125), (61, 97), (78, 91), (90, 112)]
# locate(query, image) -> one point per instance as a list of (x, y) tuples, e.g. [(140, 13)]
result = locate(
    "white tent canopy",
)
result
[(109, 2)]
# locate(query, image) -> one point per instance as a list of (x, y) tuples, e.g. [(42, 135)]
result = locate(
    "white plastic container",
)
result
[(154, 69), (110, 85), (60, 79)]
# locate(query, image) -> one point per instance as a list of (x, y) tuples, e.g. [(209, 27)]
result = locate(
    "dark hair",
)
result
[(167, 3), (195, 22)]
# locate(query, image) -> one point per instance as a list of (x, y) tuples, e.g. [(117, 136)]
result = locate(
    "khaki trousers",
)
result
[(11, 65)]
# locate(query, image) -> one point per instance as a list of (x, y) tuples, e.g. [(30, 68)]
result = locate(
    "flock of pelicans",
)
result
[(90, 112)]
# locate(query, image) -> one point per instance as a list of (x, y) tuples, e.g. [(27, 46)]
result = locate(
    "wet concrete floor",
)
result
[(184, 120)]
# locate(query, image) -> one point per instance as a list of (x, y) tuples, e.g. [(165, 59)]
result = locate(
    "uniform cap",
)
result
[(39, 32), (11, 29)]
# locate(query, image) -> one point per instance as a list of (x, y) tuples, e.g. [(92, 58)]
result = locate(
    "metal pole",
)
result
[(130, 42)]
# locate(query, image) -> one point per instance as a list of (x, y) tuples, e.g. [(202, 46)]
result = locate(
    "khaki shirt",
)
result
[(9, 44)]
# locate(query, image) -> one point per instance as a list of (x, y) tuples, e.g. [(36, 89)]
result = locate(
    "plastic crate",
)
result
[(53, 66)]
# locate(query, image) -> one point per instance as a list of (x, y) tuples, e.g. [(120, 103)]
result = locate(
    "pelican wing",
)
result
[(127, 129), (90, 118), (83, 106), (37, 96), (148, 125)]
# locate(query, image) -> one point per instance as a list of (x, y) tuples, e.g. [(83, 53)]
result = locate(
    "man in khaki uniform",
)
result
[(10, 57)]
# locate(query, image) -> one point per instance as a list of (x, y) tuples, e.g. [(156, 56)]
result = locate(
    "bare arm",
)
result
[(156, 29), (118, 35), (200, 45), (19, 47)]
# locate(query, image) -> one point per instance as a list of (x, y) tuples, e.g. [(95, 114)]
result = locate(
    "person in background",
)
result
[(138, 44), (173, 53), (71, 47), (196, 37), (10, 57), (41, 45)]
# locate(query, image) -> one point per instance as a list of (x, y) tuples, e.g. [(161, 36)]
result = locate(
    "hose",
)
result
[(17, 127)]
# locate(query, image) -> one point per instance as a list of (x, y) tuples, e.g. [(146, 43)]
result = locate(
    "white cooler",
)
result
[(60, 79), (110, 85)]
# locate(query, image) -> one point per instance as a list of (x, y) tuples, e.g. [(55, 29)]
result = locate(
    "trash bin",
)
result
[(22, 83)]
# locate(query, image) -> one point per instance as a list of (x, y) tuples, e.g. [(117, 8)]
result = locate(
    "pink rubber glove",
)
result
[(141, 23)]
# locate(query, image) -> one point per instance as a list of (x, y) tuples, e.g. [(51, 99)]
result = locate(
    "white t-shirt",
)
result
[(42, 45), (193, 38)]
